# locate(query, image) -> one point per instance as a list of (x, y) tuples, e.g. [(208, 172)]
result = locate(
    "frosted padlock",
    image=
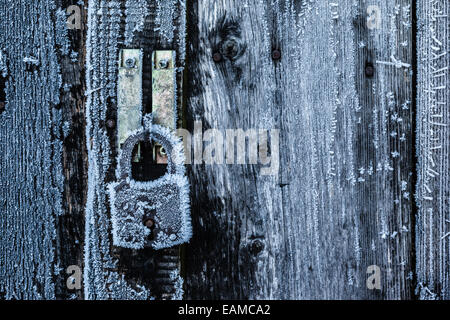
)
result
[(164, 201)]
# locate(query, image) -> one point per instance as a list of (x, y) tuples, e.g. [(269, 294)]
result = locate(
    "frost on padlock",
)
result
[(165, 201)]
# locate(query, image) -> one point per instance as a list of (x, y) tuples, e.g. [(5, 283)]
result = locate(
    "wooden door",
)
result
[(351, 202)]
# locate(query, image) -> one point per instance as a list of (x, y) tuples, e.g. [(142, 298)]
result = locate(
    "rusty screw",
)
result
[(276, 54), (369, 70), (110, 124), (217, 57)]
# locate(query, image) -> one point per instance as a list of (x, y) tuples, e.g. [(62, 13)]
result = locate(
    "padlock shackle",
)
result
[(128, 147)]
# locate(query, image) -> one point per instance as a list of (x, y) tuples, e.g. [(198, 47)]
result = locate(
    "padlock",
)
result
[(151, 213)]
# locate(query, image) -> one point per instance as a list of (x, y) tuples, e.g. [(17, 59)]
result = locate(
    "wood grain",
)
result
[(111, 272), (342, 199), (364, 166), (433, 138), (38, 235)]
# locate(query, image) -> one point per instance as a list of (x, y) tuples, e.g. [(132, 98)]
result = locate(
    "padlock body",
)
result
[(164, 202)]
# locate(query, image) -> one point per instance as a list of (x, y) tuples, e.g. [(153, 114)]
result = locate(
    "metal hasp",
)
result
[(164, 88), (129, 93)]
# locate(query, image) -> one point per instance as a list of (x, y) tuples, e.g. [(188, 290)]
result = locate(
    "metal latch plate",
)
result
[(129, 94)]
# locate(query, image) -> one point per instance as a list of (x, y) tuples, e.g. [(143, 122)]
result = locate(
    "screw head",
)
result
[(163, 63), (130, 63), (276, 54), (217, 57), (369, 70)]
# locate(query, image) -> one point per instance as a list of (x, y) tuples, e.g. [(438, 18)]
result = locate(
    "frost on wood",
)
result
[(3, 66), (338, 192), (31, 176), (178, 285), (62, 39), (136, 11), (101, 278), (433, 143), (164, 18), (101, 281)]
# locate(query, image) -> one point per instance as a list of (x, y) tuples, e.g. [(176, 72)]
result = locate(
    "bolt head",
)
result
[(217, 57), (276, 54)]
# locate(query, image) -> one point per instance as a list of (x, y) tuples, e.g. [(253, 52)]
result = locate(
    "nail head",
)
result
[(111, 123), (217, 57), (369, 70), (276, 54), (149, 223)]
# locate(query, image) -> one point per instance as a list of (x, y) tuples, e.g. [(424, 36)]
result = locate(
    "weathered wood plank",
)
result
[(433, 138), (342, 200), (111, 272), (31, 180), (343, 196), (70, 225)]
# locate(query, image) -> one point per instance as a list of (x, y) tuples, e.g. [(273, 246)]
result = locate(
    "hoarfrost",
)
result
[(62, 34), (31, 60), (100, 279), (31, 176), (164, 18), (3, 66), (104, 17), (136, 11), (433, 141), (178, 285)]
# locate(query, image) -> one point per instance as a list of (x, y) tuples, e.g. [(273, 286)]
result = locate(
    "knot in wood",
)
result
[(256, 247), (231, 48)]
